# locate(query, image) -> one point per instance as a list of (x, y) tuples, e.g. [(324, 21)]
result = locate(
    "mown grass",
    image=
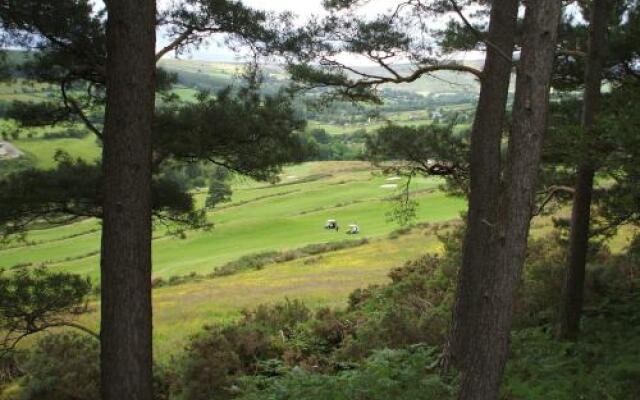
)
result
[(260, 218), (42, 151)]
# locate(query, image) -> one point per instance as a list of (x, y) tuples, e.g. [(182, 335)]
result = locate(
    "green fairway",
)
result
[(261, 217), (43, 151)]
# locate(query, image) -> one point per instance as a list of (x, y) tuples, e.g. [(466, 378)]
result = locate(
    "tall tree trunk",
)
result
[(571, 307), (126, 325), (481, 240), (484, 363)]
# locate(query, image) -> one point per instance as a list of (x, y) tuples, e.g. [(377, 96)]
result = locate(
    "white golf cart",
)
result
[(353, 229)]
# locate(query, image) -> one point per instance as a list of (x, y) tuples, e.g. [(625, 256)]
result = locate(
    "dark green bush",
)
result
[(414, 308), (62, 367), (607, 277), (386, 374), (66, 366), (215, 357), (603, 364), (208, 367)]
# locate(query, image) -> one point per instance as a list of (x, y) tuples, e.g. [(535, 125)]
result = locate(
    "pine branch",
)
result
[(479, 34), (72, 105)]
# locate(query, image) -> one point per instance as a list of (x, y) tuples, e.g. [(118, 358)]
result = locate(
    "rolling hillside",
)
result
[(261, 217)]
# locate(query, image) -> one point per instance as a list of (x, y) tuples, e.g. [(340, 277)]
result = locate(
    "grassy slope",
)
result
[(43, 151), (261, 217), (181, 311)]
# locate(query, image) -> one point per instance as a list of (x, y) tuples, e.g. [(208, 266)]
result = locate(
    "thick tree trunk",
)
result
[(469, 331), (571, 308), (126, 325), (484, 363)]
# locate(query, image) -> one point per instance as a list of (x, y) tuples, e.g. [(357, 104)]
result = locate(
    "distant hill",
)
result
[(216, 75)]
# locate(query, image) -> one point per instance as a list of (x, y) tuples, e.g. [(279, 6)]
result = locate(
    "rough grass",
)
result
[(182, 310)]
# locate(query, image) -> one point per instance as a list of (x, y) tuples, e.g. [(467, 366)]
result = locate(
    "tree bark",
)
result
[(126, 325), (487, 350), (571, 307), (481, 238)]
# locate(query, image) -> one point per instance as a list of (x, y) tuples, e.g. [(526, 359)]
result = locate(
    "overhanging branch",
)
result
[(479, 34)]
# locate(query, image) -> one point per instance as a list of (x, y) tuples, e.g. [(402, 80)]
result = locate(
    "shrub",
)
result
[(541, 288), (66, 366), (414, 308), (217, 356), (382, 345), (282, 316), (399, 232), (208, 367), (62, 367), (608, 277), (386, 374), (603, 364), (9, 370)]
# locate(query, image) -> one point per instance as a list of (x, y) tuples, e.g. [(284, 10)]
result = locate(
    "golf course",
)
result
[(261, 217)]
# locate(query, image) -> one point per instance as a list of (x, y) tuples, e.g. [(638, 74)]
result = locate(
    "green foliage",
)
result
[(66, 366), (219, 192), (384, 344), (62, 367), (208, 367), (459, 37), (216, 360), (8, 167), (245, 132), (33, 300), (428, 150), (32, 114), (414, 308), (603, 364), (325, 147), (30, 195), (608, 278), (386, 374), (217, 356), (71, 191), (541, 289), (619, 129), (342, 87)]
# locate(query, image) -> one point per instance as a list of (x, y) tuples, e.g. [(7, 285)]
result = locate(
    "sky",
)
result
[(303, 9)]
